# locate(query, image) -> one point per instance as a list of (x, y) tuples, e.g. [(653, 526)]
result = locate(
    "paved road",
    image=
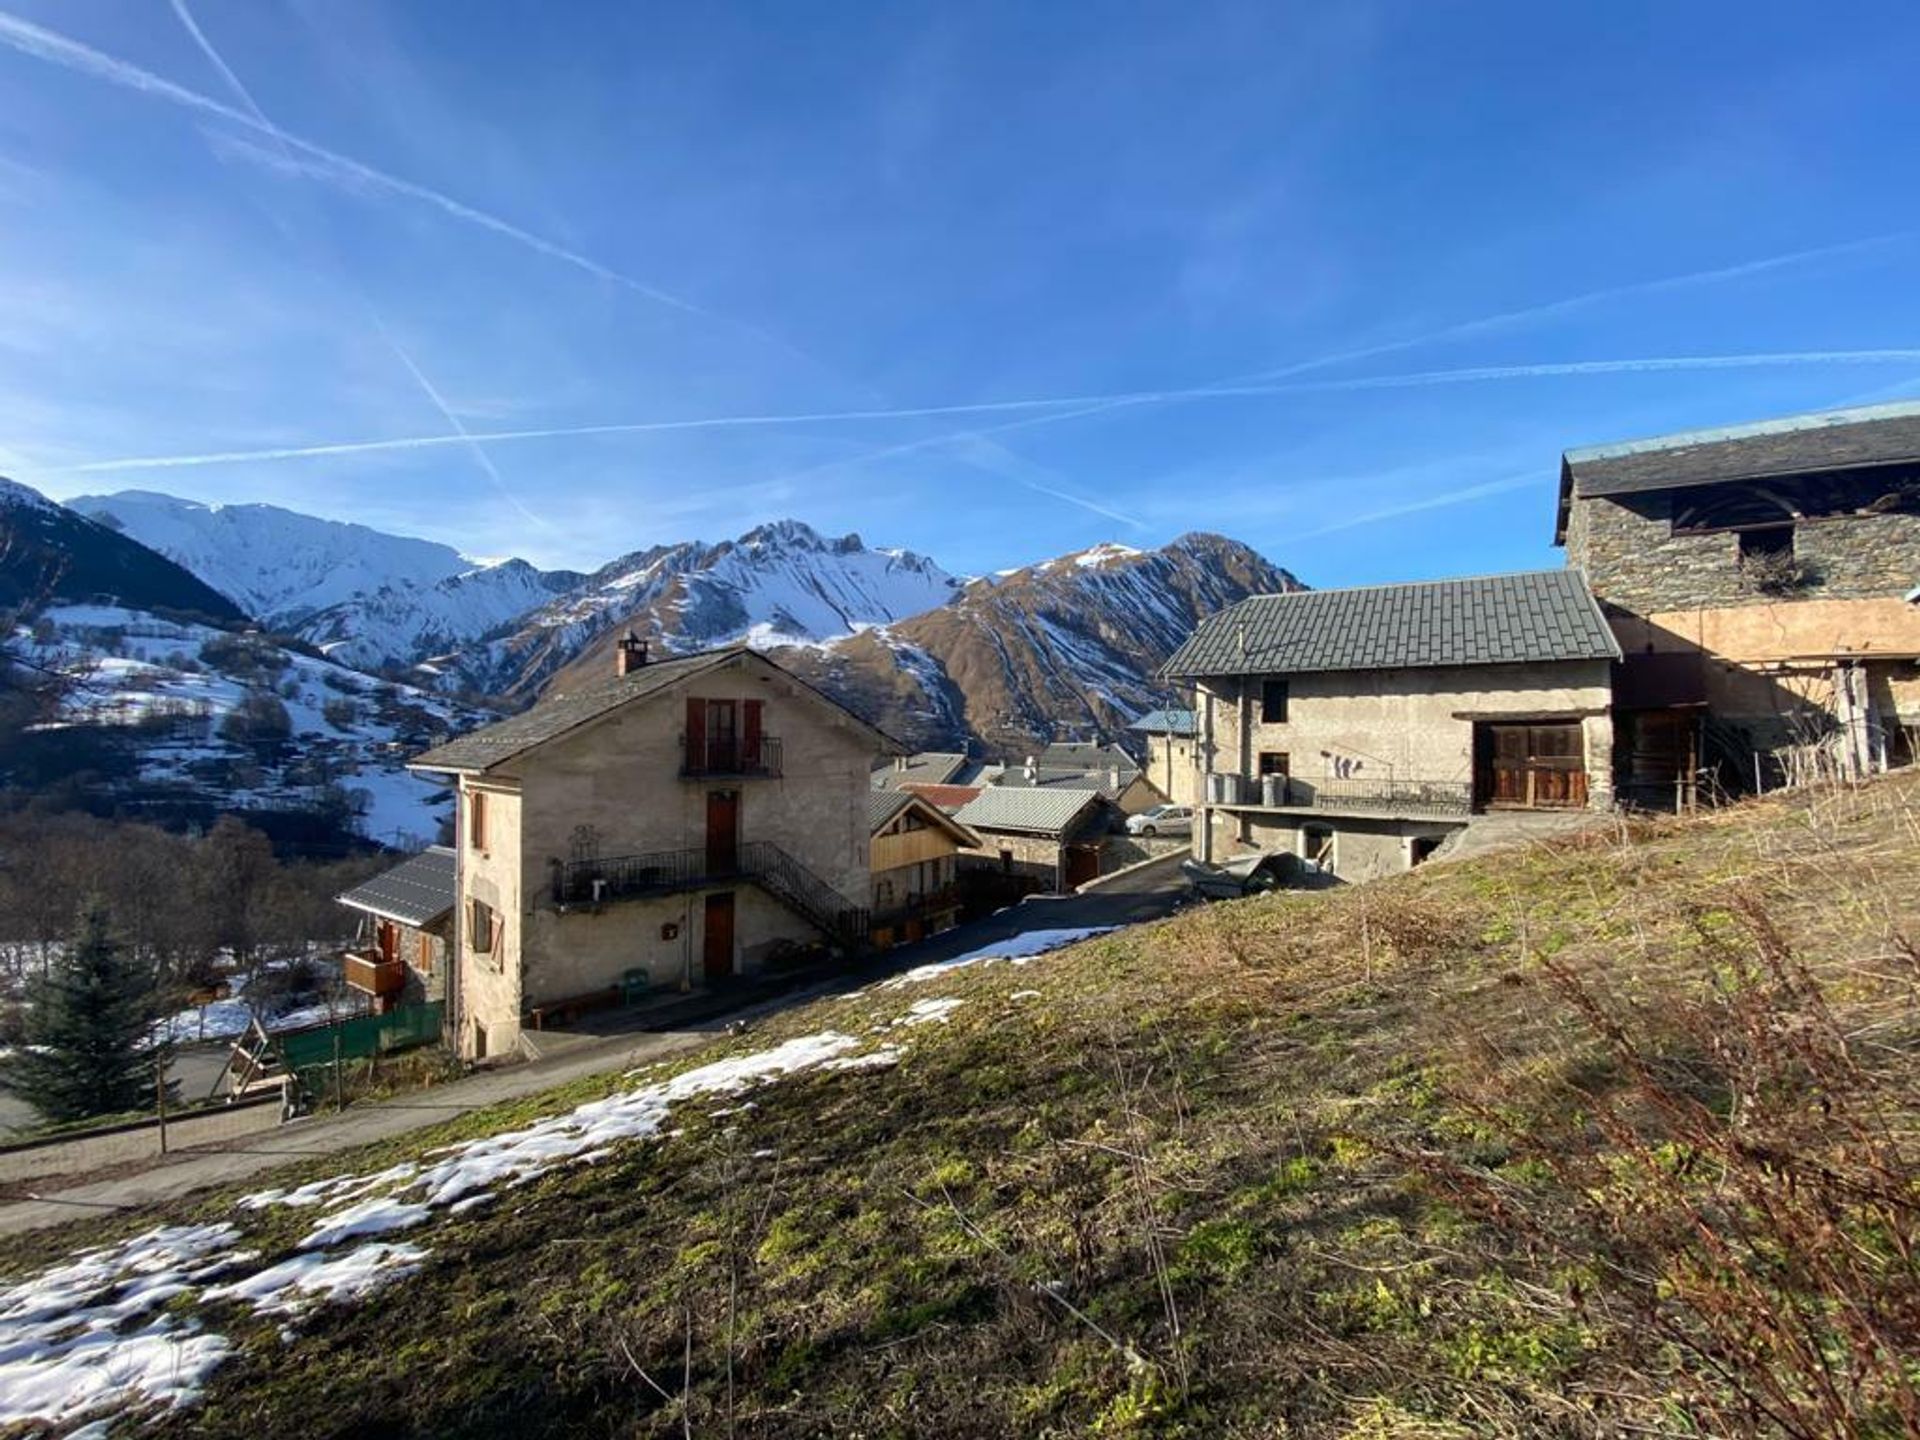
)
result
[(1145, 893), (193, 1072)]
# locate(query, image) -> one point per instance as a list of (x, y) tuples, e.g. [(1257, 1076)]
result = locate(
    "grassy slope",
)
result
[(1332, 1164)]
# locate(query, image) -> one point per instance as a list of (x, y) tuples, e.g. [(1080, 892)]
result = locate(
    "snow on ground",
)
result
[(1020, 950), (98, 1334), (307, 1280), (226, 1019)]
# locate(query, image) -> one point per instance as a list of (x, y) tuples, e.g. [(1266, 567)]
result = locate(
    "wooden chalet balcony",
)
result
[(932, 902), (1348, 797), (720, 758), (368, 972)]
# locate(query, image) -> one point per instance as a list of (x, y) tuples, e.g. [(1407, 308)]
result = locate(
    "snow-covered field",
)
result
[(108, 1332)]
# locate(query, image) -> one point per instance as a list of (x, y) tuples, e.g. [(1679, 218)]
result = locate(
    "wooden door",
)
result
[(1532, 767), (723, 831), (716, 945), (1083, 864), (389, 940)]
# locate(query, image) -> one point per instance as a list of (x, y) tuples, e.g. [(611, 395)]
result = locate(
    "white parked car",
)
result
[(1162, 820)]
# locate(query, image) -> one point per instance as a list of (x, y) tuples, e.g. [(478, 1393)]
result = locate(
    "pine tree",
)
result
[(83, 1048)]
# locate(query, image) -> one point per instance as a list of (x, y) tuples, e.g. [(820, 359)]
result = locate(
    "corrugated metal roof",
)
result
[(1537, 615), (1166, 722), (415, 892), (1037, 812), (883, 805)]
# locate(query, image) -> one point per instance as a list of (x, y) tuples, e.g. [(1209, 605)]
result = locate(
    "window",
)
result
[(1274, 762), (1774, 541), (1273, 702), (476, 820), (480, 928)]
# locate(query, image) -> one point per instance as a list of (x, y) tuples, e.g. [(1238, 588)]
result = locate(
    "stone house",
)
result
[(1173, 753), (915, 846), (1755, 578), (406, 926), (674, 825), (1046, 838), (1362, 727)]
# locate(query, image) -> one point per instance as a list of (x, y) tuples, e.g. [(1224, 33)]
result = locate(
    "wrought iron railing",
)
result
[(667, 872), (1388, 796), (732, 757)]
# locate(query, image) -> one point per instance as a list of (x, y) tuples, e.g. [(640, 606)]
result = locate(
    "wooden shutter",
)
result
[(750, 733), (696, 733)]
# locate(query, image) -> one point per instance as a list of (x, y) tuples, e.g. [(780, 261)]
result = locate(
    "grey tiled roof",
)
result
[(1491, 620), (554, 716), (1083, 755), (415, 892), (1166, 722), (1038, 812), (928, 767), (1015, 778)]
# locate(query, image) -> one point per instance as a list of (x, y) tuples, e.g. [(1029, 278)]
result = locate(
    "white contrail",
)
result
[(1088, 404), (1430, 502), (427, 387), (57, 49)]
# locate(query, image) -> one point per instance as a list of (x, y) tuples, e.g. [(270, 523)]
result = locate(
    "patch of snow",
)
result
[(884, 1058), (926, 1012), (380, 1215), (304, 1281)]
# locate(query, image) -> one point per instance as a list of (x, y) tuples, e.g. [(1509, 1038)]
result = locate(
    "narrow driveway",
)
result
[(1145, 893)]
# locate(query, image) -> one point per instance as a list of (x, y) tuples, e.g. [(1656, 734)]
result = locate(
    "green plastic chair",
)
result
[(634, 985)]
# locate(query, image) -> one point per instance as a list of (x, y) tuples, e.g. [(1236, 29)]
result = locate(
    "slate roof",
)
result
[(415, 892), (930, 767), (1537, 615), (1035, 812), (1015, 778), (1820, 442), (555, 715), (1166, 722), (1083, 755)]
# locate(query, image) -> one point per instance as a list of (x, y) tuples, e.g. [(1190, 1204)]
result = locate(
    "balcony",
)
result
[(1443, 798), (931, 902), (370, 974), (716, 757)]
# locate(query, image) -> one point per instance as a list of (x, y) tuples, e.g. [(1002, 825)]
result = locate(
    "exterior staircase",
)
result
[(607, 879)]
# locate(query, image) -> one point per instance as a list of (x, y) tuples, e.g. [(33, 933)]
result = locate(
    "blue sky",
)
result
[(1412, 243)]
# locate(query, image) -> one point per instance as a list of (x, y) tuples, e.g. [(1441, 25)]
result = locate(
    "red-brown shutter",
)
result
[(696, 733), (750, 736)]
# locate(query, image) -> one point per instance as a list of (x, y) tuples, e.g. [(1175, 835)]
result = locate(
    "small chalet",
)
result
[(915, 846), (406, 925), (1359, 728), (673, 825), (1046, 839)]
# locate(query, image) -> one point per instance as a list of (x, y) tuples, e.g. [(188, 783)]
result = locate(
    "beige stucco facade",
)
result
[(614, 788), (1381, 756), (1173, 765)]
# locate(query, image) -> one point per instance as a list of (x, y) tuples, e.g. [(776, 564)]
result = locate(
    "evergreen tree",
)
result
[(82, 1048)]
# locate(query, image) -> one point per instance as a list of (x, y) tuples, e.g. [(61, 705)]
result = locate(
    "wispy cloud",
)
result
[(1076, 404), (57, 49)]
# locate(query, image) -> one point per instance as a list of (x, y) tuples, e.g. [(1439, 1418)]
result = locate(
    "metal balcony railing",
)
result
[(1385, 796), (715, 757), (667, 872)]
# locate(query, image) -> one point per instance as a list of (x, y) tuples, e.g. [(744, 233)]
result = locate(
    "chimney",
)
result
[(1030, 770), (1113, 777), (630, 654)]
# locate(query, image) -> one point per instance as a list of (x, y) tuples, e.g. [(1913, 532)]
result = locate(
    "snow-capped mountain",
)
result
[(1067, 647), (406, 624), (48, 552), (279, 566), (778, 584)]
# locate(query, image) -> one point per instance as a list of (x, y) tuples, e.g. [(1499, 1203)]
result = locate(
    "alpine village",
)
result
[(457, 984)]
